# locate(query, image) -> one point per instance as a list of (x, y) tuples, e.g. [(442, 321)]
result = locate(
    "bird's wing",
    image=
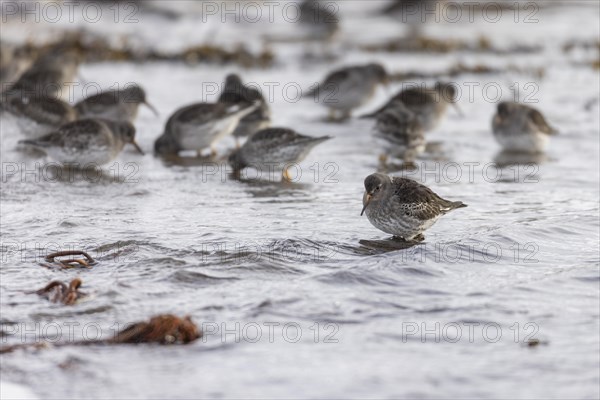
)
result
[(245, 96), (540, 122), (83, 133), (414, 97), (338, 77), (52, 139), (199, 114), (277, 140), (51, 111), (36, 80), (275, 136), (235, 93), (98, 102), (419, 201)]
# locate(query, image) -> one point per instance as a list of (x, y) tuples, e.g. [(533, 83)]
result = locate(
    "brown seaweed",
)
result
[(462, 69), (53, 260), (59, 292), (162, 329), (165, 329), (93, 49), (424, 44)]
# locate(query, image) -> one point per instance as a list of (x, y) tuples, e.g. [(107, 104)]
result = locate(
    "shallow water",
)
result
[(298, 295)]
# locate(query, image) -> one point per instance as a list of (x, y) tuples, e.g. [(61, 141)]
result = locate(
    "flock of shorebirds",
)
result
[(95, 130)]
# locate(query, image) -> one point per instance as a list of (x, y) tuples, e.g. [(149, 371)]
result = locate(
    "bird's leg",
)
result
[(237, 142), (409, 165), (286, 175), (236, 174), (213, 151), (332, 114), (383, 163)]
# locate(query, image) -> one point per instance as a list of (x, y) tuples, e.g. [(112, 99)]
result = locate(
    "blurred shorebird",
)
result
[(428, 105), (36, 116), (320, 20), (521, 128), (236, 94), (348, 88), (13, 62), (413, 13), (274, 146), (403, 207), (87, 142), (51, 75), (199, 126), (114, 104), (402, 133)]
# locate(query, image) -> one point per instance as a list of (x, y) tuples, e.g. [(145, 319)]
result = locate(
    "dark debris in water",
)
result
[(536, 343)]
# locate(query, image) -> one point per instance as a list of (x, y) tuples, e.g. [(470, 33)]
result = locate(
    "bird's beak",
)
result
[(369, 197), (458, 110), (137, 147), (151, 107)]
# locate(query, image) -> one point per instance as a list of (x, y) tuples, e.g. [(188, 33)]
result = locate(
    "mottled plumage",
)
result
[(349, 88), (235, 93), (428, 105), (200, 125), (114, 104), (87, 142), (274, 147), (403, 207), (521, 128), (403, 134), (36, 116)]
